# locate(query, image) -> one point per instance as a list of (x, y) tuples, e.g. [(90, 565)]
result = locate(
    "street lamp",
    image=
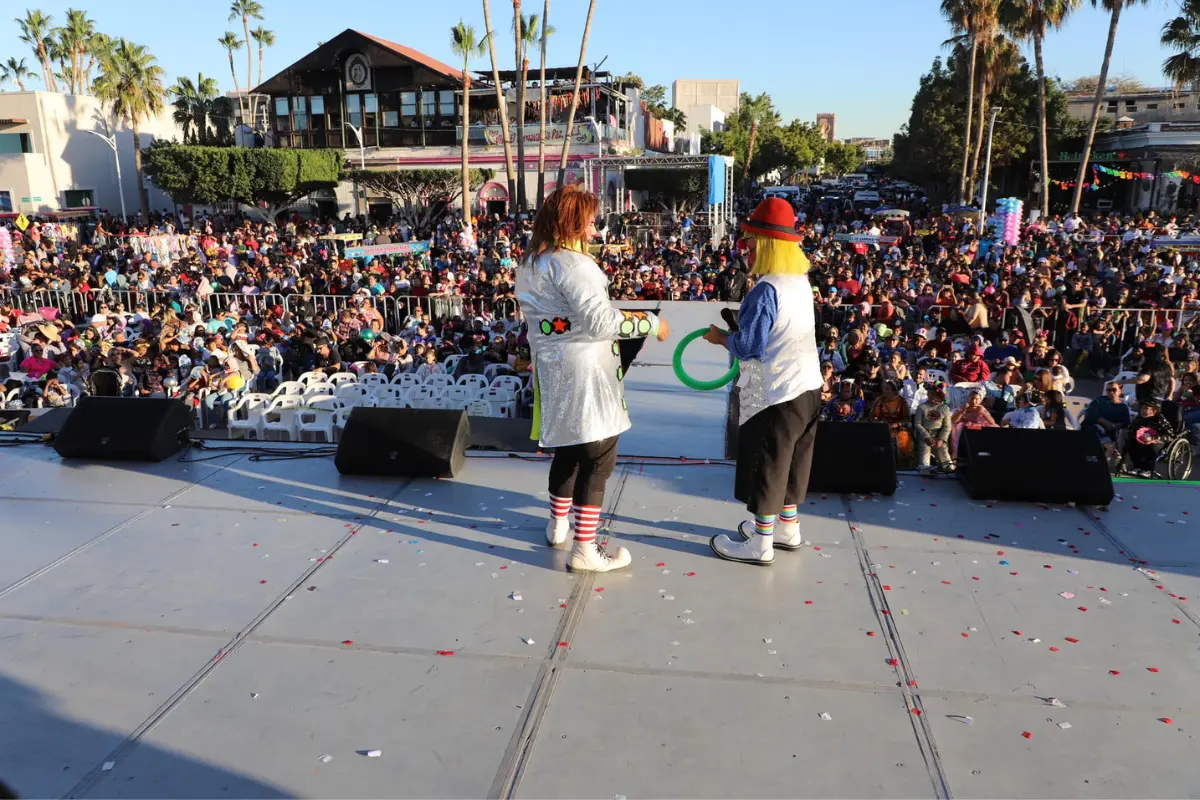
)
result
[(987, 174), (362, 160), (111, 141)]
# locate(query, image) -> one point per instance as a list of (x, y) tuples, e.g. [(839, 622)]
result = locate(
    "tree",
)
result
[(656, 103), (270, 179), (203, 114), (583, 43), (130, 83), (71, 44), (974, 21), (501, 103), (1182, 34), (230, 42), (997, 61), (1114, 8), (97, 47), (419, 196), (841, 158), (264, 39), (686, 189), (1121, 84), (36, 30), (734, 140), (542, 109), (464, 43), (1029, 19), (247, 9), (525, 30), (16, 71)]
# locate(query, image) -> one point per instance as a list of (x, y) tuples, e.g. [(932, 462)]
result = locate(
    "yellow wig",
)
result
[(777, 257)]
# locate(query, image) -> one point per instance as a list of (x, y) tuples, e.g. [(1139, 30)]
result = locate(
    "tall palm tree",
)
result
[(973, 21), (185, 102), (519, 84), (583, 43), (1030, 19), (263, 38), (74, 38), (194, 106), (97, 45), (58, 49), (465, 44), (130, 83), (247, 9), (998, 59), (1182, 34), (541, 184), (231, 42), (1114, 9), (500, 102), (16, 71), (36, 29)]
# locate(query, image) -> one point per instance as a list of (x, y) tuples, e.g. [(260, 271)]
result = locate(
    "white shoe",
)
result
[(588, 557), (756, 550), (558, 530), (787, 534)]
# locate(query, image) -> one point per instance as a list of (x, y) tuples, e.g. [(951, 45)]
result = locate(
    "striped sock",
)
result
[(587, 519), (764, 524), (559, 507), (789, 513)]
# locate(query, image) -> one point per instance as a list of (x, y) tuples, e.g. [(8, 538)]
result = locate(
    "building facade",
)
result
[(874, 150), (1153, 105), (705, 102), (50, 162), (392, 107)]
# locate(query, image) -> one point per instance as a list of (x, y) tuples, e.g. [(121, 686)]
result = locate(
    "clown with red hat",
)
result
[(780, 387)]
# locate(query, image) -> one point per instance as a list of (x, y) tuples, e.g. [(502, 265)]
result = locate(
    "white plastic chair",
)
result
[(288, 387), (246, 414), (459, 397), (373, 379), (451, 362), (316, 376), (341, 379), (352, 393), (477, 381), (510, 382), (317, 418), (406, 380), (318, 388), (938, 375), (441, 380), (502, 401), (479, 408), (425, 370), (492, 370), (1127, 390), (339, 420), (959, 393), (280, 416)]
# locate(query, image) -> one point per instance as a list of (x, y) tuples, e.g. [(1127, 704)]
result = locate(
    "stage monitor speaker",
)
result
[(1034, 466), (853, 457), (415, 442), (124, 428)]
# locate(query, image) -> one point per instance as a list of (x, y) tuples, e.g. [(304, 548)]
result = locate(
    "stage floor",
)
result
[(215, 629)]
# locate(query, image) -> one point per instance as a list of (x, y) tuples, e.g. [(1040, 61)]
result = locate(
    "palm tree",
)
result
[(36, 30), (508, 156), (16, 71), (998, 58), (1029, 19), (973, 21), (194, 106), (263, 38), (185, 102), (247, 9), (464, 44), (583, 43), (74, 39), (1114, 8), (230, 42), (519, 84), (130, 83), (97, 45), (1182, 34), (546, 29)]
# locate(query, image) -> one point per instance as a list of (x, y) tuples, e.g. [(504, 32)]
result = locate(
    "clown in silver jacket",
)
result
[(573, 334)]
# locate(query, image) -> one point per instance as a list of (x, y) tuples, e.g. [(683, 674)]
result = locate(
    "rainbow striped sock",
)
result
[(764, 524), (789, 513)]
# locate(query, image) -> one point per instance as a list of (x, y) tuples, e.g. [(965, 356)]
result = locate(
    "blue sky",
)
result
[(860, 59)]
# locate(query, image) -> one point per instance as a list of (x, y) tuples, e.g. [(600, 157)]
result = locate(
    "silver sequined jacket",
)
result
[(573, 329)]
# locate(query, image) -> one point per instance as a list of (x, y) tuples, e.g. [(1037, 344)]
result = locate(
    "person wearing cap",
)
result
[(579, 398), (780, 387), (972, 369), (932, 428)]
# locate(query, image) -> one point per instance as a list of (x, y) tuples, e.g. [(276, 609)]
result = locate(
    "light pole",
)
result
[(987, 174), (111, 141), (362, 160)]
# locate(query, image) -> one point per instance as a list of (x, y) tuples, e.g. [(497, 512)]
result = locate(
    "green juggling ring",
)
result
[(688, 380)]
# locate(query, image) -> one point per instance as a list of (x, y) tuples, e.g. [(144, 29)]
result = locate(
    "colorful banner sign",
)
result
[(866, 238), (582, 134), (396, 249), (1146, 176)]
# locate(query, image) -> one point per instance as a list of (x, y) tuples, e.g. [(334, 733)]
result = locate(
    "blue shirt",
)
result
[(756, 317)]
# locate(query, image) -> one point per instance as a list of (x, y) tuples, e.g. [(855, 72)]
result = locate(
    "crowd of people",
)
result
[(910, 304)]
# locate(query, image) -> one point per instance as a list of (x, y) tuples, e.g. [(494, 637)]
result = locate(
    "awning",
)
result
[(493, 191)]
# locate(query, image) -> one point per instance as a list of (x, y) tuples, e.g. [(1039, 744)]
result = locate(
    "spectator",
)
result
[(973, 369), (1107, 416), (932, 429), (1025, 415), (1148, 434), (890, 408), (972, 415)]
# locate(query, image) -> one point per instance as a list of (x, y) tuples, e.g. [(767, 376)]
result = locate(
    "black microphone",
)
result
[(730, 315)]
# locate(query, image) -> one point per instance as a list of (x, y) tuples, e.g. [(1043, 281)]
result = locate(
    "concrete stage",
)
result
[(213, 629)]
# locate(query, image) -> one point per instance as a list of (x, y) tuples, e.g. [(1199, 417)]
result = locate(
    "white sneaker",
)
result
[(558, 530), (588, 557), (756, 550), (787, 534)]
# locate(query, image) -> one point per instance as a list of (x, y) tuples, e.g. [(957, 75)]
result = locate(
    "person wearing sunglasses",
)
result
[(1107, 416)]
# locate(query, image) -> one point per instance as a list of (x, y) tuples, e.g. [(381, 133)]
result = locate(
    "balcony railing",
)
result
[(583, 134)]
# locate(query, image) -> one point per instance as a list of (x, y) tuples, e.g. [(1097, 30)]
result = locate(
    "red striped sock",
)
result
[(559, 507), (587, 519)]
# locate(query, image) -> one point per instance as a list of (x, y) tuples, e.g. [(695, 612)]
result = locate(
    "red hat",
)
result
[(774, 219)]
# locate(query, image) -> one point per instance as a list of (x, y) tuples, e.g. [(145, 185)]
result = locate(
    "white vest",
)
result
[(790, 365)]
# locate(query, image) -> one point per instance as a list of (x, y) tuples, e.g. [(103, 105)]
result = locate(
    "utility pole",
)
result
[(987, 174), (110, 139)]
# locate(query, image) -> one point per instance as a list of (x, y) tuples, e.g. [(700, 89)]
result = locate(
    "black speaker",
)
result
[(417, 442), (853, 457), (1034, 466), (125, 428)]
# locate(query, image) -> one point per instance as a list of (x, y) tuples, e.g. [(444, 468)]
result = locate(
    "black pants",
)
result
[(774, 457), (581, 471)]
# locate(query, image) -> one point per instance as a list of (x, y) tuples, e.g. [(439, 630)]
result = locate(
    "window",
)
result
[(354, 110), (15, 143), (408, 109), (370, 110), (281, 106), (1131, 108), (1152, 106), (1179, 105), (391, 119), (6, 203), (317, 105), (300, 113), (429, 104), (446, 104), (1112, 106), (77, 198)]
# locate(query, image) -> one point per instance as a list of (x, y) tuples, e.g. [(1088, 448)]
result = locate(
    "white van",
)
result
[(864, 199), (786, 192)]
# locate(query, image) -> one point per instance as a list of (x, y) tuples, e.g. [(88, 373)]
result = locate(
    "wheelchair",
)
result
[(1174, 461)]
